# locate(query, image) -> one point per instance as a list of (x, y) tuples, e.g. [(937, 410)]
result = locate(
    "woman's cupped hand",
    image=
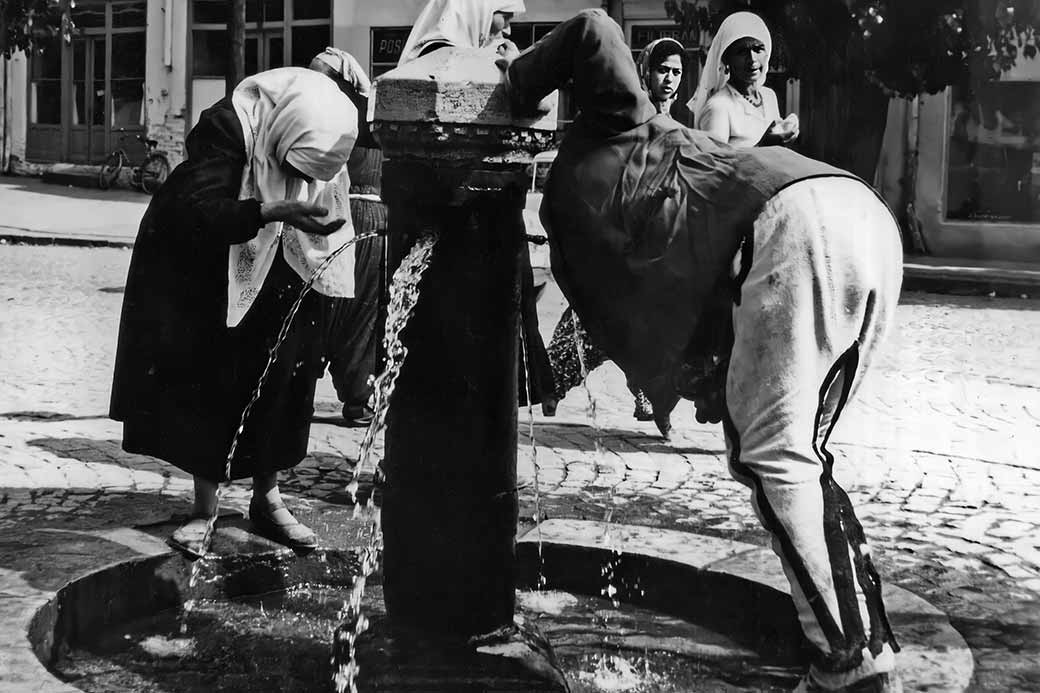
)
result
[(305, 216)]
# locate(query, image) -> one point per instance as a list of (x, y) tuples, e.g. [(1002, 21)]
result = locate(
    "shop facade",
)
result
[(975, 188), (966, 165)]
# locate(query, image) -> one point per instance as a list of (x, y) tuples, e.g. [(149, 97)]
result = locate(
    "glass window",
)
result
[(311, 9), (993, 162), (276, 52), (130, 14), (45, 102), (252, 55), (89, 15), (45, 87), (211, 11), (307, 42), (210, 53), (274, 10), (127, 86), (127, 102), (128, 55), (98, 113), (47, 64)]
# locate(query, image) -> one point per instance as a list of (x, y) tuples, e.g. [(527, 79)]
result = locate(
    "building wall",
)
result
[(166, 76), (165, 80)]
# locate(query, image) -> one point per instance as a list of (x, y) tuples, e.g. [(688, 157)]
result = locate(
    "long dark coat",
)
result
[(182, 377)]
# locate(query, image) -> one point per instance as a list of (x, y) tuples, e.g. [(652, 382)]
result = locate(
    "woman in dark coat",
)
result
[(221, 255)]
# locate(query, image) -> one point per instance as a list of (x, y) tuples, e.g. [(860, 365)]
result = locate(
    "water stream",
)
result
[(609, 671), (533, 448), (207, 539), (404, 294)]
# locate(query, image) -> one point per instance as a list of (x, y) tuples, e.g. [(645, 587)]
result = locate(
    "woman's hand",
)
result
[(781, 132), (301, 215), (508, 52)]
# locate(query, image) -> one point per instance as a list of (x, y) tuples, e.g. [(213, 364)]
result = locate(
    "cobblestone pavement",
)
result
[(939, 453)]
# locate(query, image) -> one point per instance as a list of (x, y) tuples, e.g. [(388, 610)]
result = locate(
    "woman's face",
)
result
[(665, 78), (500, 24), (746, 60)]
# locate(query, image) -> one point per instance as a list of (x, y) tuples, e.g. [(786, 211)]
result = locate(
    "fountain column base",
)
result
[(514, 659)]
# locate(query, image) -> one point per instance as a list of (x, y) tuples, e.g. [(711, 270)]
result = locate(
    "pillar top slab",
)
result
[(450, 107)]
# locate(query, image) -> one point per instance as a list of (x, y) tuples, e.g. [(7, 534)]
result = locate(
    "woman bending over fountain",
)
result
[(222, 253), (662, 210)]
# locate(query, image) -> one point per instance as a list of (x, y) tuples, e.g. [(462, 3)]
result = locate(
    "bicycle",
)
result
[(148, 176)]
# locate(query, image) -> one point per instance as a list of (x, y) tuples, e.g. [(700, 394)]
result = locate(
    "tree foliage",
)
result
[(27, 24), (907, 47)]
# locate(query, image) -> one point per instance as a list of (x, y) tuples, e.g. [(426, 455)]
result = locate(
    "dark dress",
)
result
[(355, 346), (182, 377), (535, 375)]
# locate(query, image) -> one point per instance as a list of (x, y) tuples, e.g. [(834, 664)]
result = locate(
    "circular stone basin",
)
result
[(265, 622)]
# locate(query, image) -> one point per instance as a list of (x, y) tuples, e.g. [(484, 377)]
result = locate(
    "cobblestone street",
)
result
[(939, 453)]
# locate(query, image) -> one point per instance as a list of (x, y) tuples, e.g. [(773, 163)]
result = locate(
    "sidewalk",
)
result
[(32, 211), (40, 213)]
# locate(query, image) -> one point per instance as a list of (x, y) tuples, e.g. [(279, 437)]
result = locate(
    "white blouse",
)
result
[(729, 117)]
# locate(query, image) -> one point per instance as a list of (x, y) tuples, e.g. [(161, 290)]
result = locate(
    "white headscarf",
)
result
[(460, 23), (347, 67), (300, 117), (714, 76)]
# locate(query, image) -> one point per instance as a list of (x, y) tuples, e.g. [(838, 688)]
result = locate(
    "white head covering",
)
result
[(461, 23), (714, 75), (300, 117), (346, 66)]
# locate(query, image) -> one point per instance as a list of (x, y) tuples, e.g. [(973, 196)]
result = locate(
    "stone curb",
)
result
[(29, 237), (934, 656), (970, 280)]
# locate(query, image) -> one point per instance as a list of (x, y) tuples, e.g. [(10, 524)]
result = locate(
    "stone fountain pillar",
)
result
[(455, 164)]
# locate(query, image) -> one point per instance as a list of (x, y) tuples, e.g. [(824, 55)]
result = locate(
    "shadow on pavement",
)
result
[(321, 475), (46, 416), (69, 192), (578, 436)]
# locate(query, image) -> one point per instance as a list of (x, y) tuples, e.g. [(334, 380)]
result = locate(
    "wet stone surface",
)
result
[(938, 454)]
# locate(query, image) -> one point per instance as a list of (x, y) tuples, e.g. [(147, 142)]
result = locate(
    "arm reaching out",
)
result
[(588, 51)]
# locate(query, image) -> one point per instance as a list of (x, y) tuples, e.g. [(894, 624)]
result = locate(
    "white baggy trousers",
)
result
[(820, 293)]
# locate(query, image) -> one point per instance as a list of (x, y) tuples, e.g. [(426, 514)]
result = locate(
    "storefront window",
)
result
[(994, 153), (127, 82), (45, 88), (271, 27)]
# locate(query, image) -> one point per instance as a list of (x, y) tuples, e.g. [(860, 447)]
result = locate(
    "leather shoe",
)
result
[(190, 538), (294, 534)]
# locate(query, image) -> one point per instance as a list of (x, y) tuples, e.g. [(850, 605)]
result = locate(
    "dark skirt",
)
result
[(535, 377), (192, 420), (354, 347)]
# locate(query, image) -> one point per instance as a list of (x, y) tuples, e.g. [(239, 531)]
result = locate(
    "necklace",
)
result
[(755, 98)]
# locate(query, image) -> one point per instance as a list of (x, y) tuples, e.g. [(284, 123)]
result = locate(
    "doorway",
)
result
[(87, 96)]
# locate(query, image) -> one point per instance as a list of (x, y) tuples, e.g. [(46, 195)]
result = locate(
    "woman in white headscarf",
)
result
[(732, 102), (460, 23), (222, 253)]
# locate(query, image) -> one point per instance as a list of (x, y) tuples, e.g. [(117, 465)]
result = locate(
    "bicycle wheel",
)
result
[(110, 170), (154, 172)]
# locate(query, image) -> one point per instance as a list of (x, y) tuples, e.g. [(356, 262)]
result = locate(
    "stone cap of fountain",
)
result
[(451, 106)]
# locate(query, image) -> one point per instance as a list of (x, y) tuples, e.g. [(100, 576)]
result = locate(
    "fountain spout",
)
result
[(455, 164)]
